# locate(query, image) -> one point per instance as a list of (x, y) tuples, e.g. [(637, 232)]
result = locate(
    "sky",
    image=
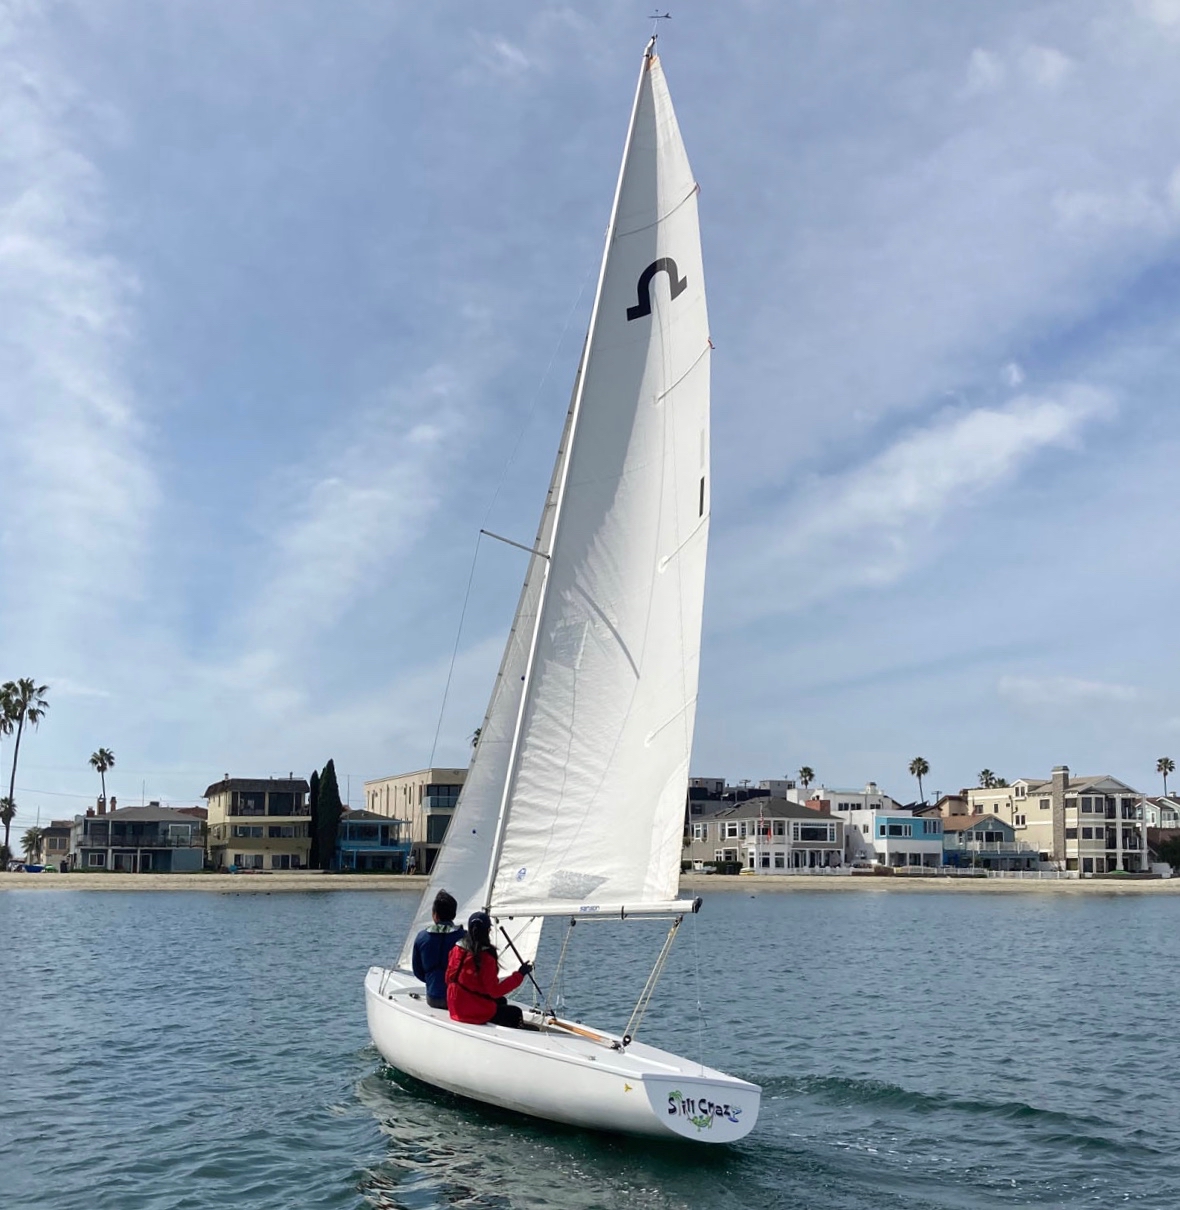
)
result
[(291, 298)]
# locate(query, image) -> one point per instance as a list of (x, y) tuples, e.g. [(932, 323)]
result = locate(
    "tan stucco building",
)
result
[(258, 823), (425, 800), (1091, 825)]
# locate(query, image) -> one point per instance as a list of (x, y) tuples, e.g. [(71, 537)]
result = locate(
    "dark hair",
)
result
[(479, 935), (445, 906)]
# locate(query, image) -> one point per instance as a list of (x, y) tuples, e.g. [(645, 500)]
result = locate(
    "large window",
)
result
[(280, 802), (248, 802), (813, 832), (96, 859), (436, 828)]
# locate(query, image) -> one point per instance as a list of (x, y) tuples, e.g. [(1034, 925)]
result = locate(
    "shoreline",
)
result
[(295, 882)]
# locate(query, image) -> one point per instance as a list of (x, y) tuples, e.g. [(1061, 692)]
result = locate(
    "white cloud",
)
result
[(873, 524), (1063, 692), (985, 73), (1013, 374), (1045, 66)]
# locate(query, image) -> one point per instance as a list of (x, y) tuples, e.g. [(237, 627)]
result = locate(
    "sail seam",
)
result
[(663, 217), (664, 394)]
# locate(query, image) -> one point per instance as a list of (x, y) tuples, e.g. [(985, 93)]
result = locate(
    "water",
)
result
[(190, 1051)]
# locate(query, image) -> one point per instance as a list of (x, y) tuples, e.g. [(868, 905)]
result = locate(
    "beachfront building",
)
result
[(985, 842), (765, 835), (1162, 812), (55, 843), (893, 836), (368, 841), (258, 823), (137, 840), (425, 801), (1087, 825)]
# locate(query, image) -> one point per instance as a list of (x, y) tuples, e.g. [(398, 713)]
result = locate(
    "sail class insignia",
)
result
[(676, 284)]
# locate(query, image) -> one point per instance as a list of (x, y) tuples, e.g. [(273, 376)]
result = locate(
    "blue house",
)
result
[(985, 842), (368, 841)]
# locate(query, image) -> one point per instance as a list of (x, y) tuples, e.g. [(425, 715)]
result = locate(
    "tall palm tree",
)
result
[(7, 811), (920, 767), (31, 842), (1165, 765), (987, 779), (100, 762), (806, 776), (21, 702)]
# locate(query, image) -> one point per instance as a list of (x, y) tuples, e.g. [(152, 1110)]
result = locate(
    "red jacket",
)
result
[(474, 986)]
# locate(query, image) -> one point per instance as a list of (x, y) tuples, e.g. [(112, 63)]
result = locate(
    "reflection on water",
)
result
[(199, 1052)]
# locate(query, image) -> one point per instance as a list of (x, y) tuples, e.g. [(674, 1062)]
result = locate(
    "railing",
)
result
[(141, 842), (1009, 848)]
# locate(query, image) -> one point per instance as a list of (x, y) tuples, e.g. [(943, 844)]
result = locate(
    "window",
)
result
[(1019, 820), (1071, 833), (57, 842), (731, 830), (280, 802), (932, 827), (248, 802), (1087, 865), (813, 832), (1044, 804), (1087, 806), (742, 829), (1087, 833), (765, 861), (881, 829), (901, 829), (780, 861), (96, 859), (436, 828), (780, 828), (700, 831)]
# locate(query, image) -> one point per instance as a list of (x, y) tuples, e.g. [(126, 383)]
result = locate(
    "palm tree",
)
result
[(920, 767), (806, 776), (999, 782), (1165, 765), (100, 762), (31, 842), (987, 779), (7, 811), (21, 702)]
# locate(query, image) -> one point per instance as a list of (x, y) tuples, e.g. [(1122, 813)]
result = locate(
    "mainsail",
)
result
[(575, 797)]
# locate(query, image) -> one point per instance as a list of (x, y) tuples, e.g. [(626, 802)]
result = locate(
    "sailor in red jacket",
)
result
[(475, 992)]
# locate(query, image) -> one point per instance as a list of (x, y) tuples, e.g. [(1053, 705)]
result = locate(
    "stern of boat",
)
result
[(702, 1109)]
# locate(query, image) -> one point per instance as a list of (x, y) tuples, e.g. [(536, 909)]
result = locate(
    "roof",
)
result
[(358, 816), (145, 815), (295, 785), (769, 808), (963, 823)]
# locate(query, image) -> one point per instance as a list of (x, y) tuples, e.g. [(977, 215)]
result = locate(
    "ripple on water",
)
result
[(206, 1052)]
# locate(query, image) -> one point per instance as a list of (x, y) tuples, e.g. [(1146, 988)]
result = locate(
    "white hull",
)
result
[(554, 1074)]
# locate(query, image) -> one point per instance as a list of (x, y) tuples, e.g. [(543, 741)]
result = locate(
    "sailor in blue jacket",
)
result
[(432, 948)]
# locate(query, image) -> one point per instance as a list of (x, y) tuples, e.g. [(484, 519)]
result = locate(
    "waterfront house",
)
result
[(985, 842), (368, 841), (137, 840), (258, 823), (55, 843), (1088, 825), (766, 835), (425, 801), (1161, 812)]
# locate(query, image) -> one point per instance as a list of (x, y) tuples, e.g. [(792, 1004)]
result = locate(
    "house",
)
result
[(890, 836), (258, 823), (985, 842), (766, 835), (137, 840), (1090, 825), (368, 841), (424, 801), (55, 843), (1162, 812)]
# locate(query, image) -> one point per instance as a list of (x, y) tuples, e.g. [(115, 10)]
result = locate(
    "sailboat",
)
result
[(574, 802)]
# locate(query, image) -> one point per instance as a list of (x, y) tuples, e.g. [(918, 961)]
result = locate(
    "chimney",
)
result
[(114, 803), (1057, 802), (102, 805), (90, 811)]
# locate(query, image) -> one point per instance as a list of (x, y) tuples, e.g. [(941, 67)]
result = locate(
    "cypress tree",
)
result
[(313, 857), (329, 808)]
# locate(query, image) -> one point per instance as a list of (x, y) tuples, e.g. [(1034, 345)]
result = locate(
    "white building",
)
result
[(892, 836)]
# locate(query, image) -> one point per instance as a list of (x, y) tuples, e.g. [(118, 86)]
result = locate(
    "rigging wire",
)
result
[(696, 949)]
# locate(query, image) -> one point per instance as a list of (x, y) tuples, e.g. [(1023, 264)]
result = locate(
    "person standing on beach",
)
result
[(432, 948)]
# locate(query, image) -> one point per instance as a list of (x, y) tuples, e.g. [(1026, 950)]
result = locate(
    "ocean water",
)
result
[(201, 1052)]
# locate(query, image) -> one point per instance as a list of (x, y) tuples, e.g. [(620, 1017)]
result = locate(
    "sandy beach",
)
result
[(701, 884)]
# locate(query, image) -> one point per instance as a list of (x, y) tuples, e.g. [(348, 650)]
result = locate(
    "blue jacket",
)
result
[(432, 948)]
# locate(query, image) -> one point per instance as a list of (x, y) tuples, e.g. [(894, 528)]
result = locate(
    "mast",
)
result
[(514, 759)]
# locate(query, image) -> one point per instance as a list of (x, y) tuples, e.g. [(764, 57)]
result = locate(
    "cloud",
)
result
[(872, 525), (79, 490), (1063, 692)]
